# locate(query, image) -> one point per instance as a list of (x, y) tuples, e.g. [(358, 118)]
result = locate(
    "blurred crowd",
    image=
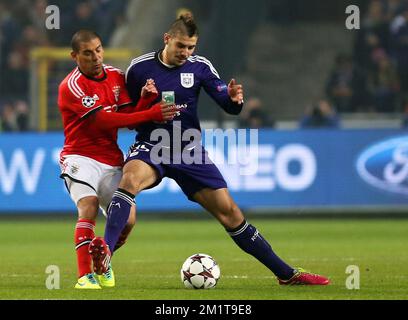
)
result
[(374, 78), (22, 27)]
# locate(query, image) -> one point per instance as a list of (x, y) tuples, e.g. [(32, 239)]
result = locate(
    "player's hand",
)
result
[(149, 90), (169, 111), (162, 111), (236, 92)]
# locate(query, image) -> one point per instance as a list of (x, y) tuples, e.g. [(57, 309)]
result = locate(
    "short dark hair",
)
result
[(185, 25), (83, 36)]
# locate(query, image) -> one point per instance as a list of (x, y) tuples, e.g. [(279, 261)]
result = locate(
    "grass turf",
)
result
[(147, 267)]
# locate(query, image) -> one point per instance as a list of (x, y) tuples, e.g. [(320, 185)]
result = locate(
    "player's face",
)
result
[(178, 49), (89, 58)]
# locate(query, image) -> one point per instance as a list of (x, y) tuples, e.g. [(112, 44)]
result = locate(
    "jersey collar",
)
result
[(95, 79), (167, 66)]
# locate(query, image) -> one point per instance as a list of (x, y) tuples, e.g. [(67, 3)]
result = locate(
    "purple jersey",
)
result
[(186, 81)]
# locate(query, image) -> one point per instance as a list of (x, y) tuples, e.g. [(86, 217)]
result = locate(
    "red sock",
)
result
[(84, 233)]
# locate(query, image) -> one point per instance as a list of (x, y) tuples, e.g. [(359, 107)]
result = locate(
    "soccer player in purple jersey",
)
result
[(176, 69)]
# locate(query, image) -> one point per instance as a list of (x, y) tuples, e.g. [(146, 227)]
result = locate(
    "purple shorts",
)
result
[(191, 177)]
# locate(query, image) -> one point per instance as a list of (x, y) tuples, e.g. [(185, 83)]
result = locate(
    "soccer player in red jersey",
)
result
[(94, 103)]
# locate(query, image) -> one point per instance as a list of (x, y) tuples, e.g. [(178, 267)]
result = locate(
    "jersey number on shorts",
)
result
[(135, 149)]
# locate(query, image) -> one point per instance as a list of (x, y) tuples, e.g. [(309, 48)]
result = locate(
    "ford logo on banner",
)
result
[(385, 165)]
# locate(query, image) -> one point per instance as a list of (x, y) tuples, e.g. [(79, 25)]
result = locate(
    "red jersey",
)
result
[(78, 97)]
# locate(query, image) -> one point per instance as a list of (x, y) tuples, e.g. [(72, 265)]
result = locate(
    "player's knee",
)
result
[(231, 216), (130, 182), (88, 208), (232, 210)]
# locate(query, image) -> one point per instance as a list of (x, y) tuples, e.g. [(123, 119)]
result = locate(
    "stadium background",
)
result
[(284, 52), (291, 57)]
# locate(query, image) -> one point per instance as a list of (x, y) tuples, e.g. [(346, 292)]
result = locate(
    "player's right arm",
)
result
[(110, 120), (85, 107)]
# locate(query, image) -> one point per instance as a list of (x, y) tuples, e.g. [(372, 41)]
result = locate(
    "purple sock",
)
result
[(118, 214), (248, 238)]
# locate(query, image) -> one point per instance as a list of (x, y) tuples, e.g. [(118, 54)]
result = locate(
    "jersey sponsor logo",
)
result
[(385, 165), (113, 108), (187, 79), (89, 102), (180, 107)]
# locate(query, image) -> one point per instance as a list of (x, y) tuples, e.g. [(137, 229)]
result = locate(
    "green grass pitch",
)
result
[(147, 267)]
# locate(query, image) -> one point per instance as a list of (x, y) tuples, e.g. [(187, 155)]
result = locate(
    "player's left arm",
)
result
[(229, 97)]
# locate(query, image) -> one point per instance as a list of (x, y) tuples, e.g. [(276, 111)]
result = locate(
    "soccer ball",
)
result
[(200, 271)]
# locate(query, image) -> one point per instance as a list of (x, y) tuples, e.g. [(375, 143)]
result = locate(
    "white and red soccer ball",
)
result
[(200, 271)]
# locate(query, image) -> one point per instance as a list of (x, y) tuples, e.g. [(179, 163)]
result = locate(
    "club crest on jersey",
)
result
[(89, 102), (187, 80), (116, 92)]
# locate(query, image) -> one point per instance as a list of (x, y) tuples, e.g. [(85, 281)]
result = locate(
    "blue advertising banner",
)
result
[(265, 169)]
